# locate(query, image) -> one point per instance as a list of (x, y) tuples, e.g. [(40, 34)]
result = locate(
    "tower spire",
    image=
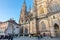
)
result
[(23, 13), (24, 2), (35, 8), (29, 8)]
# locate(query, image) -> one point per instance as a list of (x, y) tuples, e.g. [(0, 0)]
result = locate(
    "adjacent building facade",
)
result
[(9, 27), (44, 18)]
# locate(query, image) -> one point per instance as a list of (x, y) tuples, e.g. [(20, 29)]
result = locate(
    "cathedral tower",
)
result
[(23, 14), (41, 7)]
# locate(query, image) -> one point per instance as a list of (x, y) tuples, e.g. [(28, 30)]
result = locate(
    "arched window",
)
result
[(41, 9), (26, 30), (56, 29), (21, 30), (43, 26), (56, 26)]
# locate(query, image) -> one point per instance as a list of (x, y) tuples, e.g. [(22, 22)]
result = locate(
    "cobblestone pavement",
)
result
[(48, 38), (35, 38), (3, 39)]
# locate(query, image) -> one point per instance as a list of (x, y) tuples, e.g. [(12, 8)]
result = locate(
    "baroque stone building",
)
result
[(9, 27), (44, 18)]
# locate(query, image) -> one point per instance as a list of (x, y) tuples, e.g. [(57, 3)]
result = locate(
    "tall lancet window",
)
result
[(43, 26)]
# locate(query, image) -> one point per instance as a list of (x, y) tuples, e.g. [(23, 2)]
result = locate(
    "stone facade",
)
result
[(9, 27), (43, 18)]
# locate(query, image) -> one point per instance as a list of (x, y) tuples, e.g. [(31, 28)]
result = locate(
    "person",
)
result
[(29, 35), (44, 34), (10, 37), (41, 36), (38, 36)]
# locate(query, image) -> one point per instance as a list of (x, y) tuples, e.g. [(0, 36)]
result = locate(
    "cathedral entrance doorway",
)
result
[(21, 31), (43, 28), (26, 32), (56, 29)]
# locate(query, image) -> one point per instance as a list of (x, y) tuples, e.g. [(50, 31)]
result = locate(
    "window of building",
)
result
[(41, 9), (53, 17), (26, 30), (43, 26), (56, 26)]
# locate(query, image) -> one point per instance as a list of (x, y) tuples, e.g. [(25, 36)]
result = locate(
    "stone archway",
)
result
[(56, 29), (21, 31), (43, 28), (26, 32)]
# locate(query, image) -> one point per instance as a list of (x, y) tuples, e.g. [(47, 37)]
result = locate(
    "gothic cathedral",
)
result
[(44, 18)]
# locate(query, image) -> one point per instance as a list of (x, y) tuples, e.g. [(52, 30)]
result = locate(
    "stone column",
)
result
[(52, 29), (23, 30)]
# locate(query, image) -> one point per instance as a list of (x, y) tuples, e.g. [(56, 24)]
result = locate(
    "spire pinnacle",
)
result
[(24, 1), (29, 8)]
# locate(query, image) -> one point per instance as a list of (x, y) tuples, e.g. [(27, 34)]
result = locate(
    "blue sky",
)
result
[(11, 9)]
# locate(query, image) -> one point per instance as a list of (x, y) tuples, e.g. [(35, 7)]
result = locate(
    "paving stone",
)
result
[(35, 38)]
